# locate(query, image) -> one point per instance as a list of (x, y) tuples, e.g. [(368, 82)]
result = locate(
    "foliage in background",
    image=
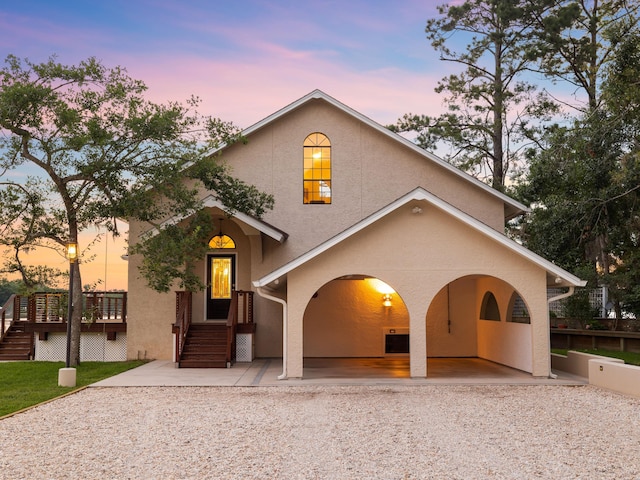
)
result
[(101, 152), (493, 109), (572, 145), (584, 186), (575, 40), (8, 288)]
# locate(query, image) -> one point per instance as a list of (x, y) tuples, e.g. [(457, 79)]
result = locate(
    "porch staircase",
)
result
[(17, 343), (205, 346)]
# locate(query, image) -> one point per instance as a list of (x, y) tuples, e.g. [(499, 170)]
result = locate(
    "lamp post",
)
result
[(67, 375)]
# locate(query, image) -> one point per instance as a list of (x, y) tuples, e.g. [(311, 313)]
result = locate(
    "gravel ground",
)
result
[(326, 432)]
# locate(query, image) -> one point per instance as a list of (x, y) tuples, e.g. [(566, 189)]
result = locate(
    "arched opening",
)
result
[(357, 317), (464, 320)]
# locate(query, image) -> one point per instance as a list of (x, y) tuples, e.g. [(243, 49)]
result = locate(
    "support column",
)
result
[(540, 331), (294, 338), (417, 343)]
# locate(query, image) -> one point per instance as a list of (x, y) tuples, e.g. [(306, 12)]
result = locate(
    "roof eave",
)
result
[(513, 208), (565, 278)]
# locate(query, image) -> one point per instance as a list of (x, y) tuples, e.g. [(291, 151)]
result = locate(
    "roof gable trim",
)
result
[(515, 206), (210, 201), (421, 194), (254, 222)]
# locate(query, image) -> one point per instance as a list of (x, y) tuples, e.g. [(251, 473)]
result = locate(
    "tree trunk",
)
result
[(76, 316), (498, 125)]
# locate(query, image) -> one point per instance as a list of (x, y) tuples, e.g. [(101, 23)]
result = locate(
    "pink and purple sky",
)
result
[(245, 59)]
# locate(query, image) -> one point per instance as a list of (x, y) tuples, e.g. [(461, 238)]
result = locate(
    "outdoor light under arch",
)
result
[(386, 299)]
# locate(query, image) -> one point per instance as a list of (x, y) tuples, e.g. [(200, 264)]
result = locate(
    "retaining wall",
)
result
[(610, 373)]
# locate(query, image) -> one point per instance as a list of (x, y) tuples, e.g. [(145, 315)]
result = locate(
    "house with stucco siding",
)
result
[(374, 248)]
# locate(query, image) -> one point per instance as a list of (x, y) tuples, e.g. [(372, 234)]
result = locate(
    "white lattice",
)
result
[(597, 298), (54, 349), (94, 347), (244, 347)]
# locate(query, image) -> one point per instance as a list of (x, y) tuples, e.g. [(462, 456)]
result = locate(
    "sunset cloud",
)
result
[(244, 59)]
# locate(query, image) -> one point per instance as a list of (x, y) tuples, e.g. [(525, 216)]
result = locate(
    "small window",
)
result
[(317, 169), (222, 241), (517, 311), (489, 309)]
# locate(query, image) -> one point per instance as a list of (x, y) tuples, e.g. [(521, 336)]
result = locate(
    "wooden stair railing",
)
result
[(232, 322), (9, 305), (194, 350), (183, 321), (15, 342)]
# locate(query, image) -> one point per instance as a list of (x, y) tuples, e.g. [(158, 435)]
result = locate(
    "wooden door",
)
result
[(221, 282)]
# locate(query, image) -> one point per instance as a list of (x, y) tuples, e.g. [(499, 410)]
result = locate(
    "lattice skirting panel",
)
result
[(94, 347), (244, 347)]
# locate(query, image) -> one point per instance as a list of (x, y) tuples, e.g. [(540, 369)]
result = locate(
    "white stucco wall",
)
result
[(506, 342), (455, 303), (438, 250), (347, 319), (369, 171)]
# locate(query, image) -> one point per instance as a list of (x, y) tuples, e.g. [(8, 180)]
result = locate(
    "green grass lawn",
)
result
[(629, 357), (23, 384)]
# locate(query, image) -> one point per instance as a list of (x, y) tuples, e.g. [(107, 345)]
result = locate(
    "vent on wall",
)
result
[(396, 341)]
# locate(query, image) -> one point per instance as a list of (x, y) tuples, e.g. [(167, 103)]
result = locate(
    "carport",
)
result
[(443, 251)]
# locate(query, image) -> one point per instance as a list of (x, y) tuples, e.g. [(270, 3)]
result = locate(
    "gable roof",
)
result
[(562, 277), (255, 222), (512, 208), (258, 224)]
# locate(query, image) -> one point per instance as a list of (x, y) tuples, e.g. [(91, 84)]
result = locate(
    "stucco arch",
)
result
[(347, 317), (443, 250), (454, 327)]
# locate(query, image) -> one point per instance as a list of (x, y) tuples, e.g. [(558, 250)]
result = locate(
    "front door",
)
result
[(221, 282)]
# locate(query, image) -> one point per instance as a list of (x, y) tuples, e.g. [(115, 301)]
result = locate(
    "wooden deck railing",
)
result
[(43, 307), (105, 306)]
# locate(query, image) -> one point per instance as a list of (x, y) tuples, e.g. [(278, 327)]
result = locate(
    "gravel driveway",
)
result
[(326, 432)]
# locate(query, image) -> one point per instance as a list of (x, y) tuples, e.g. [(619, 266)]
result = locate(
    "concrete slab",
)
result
[(333, 371)]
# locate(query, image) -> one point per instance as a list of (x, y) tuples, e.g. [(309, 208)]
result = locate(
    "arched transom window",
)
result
[(317, 169), (222, 241)]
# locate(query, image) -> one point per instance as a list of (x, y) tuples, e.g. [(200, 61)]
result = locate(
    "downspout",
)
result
[(563, 295), (263, 294), (553, 299)]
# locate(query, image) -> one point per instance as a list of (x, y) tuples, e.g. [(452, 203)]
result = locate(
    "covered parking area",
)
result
[(362, 317), (454, 282)]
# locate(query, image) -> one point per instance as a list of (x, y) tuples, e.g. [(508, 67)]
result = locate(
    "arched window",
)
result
[(489, 309), (222, 241), (517, 311), (317, 169)]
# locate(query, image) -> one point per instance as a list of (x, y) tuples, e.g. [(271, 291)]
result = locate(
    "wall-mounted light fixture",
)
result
[(386, 299)]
